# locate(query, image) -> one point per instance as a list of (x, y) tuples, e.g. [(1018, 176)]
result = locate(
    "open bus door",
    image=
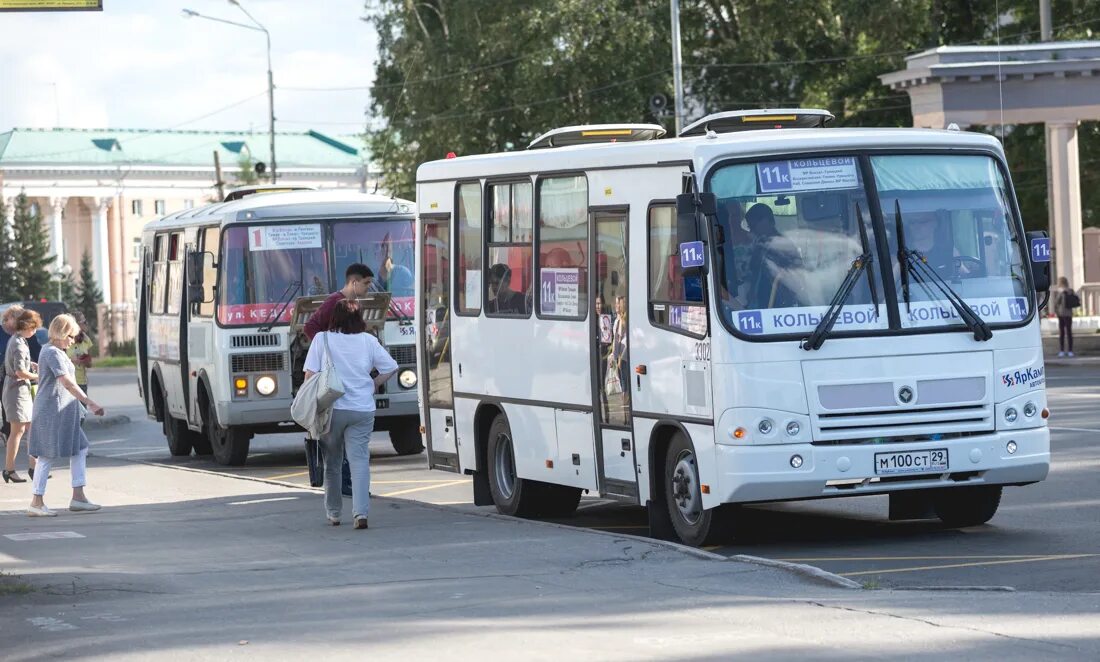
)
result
[(435, 358)]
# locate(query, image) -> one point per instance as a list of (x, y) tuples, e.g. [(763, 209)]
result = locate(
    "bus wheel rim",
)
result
[(685, 492), (505, 467)]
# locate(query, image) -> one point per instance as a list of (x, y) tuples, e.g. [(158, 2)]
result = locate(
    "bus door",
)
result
[(142, 344), (616, 459), (435, 357)]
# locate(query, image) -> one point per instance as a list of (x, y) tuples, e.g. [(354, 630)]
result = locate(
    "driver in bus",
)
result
[(929, 235), (502, 299), (772, 259)]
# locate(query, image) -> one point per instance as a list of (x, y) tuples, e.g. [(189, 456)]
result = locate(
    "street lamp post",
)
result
[(60, 273), (256, 26)]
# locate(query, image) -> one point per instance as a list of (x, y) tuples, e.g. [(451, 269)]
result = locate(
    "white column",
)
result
[(101, 247), (57, 240), (1065, 202)]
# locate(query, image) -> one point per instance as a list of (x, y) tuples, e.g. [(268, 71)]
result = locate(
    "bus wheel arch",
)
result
[(675, 486)]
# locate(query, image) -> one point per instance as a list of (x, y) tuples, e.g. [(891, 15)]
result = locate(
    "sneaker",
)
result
[(360, 522), (40, 511), (1061, 354), (1069, 354), (83, 506), (335, 521)]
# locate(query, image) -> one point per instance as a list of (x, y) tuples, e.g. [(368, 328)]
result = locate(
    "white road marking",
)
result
[(50, 624), (42, 535), (249, 503), (1061, 429)]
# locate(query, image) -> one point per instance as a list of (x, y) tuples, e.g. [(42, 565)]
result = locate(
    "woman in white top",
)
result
[(355, 355)]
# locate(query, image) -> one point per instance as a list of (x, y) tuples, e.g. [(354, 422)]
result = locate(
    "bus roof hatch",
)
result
[(597, 133), (747, 120), (245, 191)]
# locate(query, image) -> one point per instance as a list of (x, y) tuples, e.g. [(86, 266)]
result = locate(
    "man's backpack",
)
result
[(1071, 299)]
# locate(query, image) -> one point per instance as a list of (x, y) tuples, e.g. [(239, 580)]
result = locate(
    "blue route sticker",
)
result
[(1040, 249), (691, 254)]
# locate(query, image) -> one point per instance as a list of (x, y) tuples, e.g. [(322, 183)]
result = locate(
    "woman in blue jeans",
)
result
[(355, 354)]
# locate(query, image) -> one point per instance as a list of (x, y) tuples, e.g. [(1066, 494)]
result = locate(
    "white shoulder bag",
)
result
[(317, 395)]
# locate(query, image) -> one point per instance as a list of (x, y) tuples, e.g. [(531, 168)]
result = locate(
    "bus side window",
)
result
[(468, 272), (160, 274), (563, 247), (175, 272), (675, 301), (508, 278)]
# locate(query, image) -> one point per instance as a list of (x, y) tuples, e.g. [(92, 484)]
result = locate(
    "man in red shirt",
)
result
[(358, 279)]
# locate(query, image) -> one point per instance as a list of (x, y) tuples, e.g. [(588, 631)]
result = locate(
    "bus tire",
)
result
[(229, 445), (959, 507), (178, 436), (512, 495), (693, 524), (406, 438)]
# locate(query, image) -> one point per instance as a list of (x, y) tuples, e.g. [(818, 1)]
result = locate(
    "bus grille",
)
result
[(930, 420), (403, 354), (270, 362), (258, 340)]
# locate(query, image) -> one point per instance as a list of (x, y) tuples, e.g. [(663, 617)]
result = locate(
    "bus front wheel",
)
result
[(694, 525), (229, 445), (967, 506), (406, 439)]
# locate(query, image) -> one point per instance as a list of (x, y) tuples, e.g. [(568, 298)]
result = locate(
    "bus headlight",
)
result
[(1011, 415), (407, 378), (266, 385)]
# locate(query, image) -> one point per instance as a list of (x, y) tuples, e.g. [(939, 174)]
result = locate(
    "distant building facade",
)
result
[(97, 188)]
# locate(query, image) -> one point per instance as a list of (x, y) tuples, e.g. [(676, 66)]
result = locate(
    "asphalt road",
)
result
[(1044, 538)]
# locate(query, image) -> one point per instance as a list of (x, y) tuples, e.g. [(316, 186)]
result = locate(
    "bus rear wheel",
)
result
[(406, 439), (512, 495), (229, 445), (967, 506), (693, 524)]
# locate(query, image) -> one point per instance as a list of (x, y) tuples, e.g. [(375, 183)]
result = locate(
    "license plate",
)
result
[(911, 462), (382, 403)]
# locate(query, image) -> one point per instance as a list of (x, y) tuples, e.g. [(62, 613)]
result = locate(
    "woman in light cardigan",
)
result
[(58, 412)]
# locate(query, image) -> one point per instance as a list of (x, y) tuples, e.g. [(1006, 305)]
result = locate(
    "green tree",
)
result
[(68, 288), (9, 284), (246, 173), (476, 77), (30, 252), (88, 293)]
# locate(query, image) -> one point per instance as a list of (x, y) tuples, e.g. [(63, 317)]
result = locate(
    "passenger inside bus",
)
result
[(502, 299)]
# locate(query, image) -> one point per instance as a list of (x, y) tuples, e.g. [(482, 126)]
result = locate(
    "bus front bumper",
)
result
[(275, 411), (766, 473)]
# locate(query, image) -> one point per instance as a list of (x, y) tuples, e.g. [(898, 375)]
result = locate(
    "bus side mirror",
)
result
[(1038, 245), (691, 208)]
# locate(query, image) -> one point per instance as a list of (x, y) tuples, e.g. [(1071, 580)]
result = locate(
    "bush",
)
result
[(126, 348)]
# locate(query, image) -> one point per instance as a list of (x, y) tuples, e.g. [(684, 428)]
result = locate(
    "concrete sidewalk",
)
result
[(193, 565)]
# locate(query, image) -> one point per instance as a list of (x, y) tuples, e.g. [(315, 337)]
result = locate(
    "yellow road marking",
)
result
[(1063, 557), (925, 558), (282, 476), (426, 487), (399, 482)]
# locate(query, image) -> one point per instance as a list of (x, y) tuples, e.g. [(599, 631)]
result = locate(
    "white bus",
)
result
[(733, 316), (216, 360)]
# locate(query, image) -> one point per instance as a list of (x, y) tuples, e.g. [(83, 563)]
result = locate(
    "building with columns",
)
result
[(97, 188), (1053, 83)]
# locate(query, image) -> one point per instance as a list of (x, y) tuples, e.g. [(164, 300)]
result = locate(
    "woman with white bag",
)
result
[(352, 354)]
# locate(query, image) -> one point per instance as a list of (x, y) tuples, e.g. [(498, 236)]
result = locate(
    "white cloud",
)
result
[(141, 64)]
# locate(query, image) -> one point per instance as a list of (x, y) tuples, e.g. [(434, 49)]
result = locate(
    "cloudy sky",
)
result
[(141, 64)]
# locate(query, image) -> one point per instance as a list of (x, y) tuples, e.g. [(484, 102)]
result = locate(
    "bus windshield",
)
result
[(790, 233), (262, 266), (387, 248)]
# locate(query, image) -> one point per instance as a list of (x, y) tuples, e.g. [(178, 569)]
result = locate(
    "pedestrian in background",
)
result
[(80, 353), (59, 409), (355, 354), (1064, 301), (19, 376)]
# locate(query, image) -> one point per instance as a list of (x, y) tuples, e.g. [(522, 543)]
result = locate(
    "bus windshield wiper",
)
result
[(288, 296), (913, 262), (859, 265)]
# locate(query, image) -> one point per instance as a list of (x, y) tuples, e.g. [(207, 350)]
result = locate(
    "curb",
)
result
[(810, 572), (105, 421)]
